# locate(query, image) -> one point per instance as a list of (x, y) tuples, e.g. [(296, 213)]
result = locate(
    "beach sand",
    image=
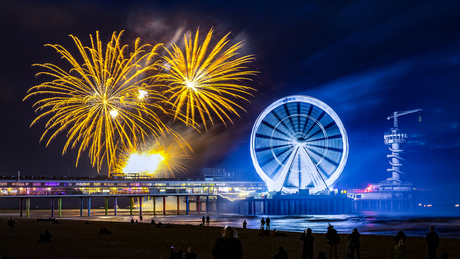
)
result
[(75, 239)]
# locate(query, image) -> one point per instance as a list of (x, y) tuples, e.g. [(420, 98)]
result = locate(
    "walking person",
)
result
[(308, 240), (333, 239), (400, 245), (353, 240), (262, 223), (267, 221), (432, 240), (10, 226)]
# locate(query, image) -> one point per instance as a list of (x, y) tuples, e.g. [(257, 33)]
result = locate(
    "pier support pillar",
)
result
[(140, 206), (207, 204), (154, 205), (89, 207), (186, 205), (81, 207), (178, 205), (28, 207), (131, 203), (164, 205), (106, 205), (52, 207), (115, 205), (20, 207), (60, 207), (198, 205)]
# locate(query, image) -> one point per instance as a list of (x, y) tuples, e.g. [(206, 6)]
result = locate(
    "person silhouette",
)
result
[(308, 241)]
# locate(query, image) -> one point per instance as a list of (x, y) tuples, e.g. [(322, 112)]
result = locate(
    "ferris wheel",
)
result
[(299, 142)]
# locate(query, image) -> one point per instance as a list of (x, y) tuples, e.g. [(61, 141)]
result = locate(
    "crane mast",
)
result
[(394, 139)]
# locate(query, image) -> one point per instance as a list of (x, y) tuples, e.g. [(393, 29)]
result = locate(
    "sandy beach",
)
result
[(75, 239)]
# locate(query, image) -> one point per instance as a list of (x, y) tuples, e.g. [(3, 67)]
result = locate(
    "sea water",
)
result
[(371, 223)]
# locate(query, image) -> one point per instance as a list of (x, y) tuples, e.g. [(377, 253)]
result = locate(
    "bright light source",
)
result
[(429, 205), (143, 163), (190, 84), (457, 205), (142, 94), (114, 113)]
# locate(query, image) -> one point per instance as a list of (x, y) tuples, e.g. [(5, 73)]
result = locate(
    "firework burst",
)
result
[(102, 102), (204, 81), (160, 157)]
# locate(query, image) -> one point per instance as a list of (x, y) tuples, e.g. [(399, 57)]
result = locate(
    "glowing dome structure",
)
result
[(299, 142)]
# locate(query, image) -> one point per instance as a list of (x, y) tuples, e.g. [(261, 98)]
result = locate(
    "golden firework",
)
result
[(104, 101), (205, 81)]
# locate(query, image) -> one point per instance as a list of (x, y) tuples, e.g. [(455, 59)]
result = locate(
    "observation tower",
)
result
[(394, 139), (393, 194)]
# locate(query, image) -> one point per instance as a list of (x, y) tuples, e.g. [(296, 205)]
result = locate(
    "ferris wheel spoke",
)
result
[(282, 122), (271, 147), (308, 117), (298, 117), (272, 158), (332, 162), (273, 128), (258, 135), (328, 148), (339, 136), (315, 175), (289, 116), (314, 125), (321, 130), (286, 167)]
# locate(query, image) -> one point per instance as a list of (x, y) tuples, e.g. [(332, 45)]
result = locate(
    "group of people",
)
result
[(180, 254), (431, 240), (353, 244), (45, 237), (203, 220), (265, 222)]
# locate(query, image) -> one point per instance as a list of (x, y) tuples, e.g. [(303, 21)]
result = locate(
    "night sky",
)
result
[(365, 59)]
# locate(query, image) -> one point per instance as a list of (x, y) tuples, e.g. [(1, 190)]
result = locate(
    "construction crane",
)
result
[(397, 114), (393, 138)]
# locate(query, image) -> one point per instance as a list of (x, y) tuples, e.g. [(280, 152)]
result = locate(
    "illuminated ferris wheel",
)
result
[(299, 142)]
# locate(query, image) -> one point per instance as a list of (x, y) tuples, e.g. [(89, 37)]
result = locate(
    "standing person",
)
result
[(190, 254), (353, 238), (400, 245), (262, 223), (432, 239), (207, 220), (333, 239), (228, 246), (202, 220), (267, 221), (308, 240), (10, 226), (244, 224)]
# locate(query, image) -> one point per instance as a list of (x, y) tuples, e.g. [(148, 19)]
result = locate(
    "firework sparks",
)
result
[(164, 157), (205, 82), (102, 102)]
